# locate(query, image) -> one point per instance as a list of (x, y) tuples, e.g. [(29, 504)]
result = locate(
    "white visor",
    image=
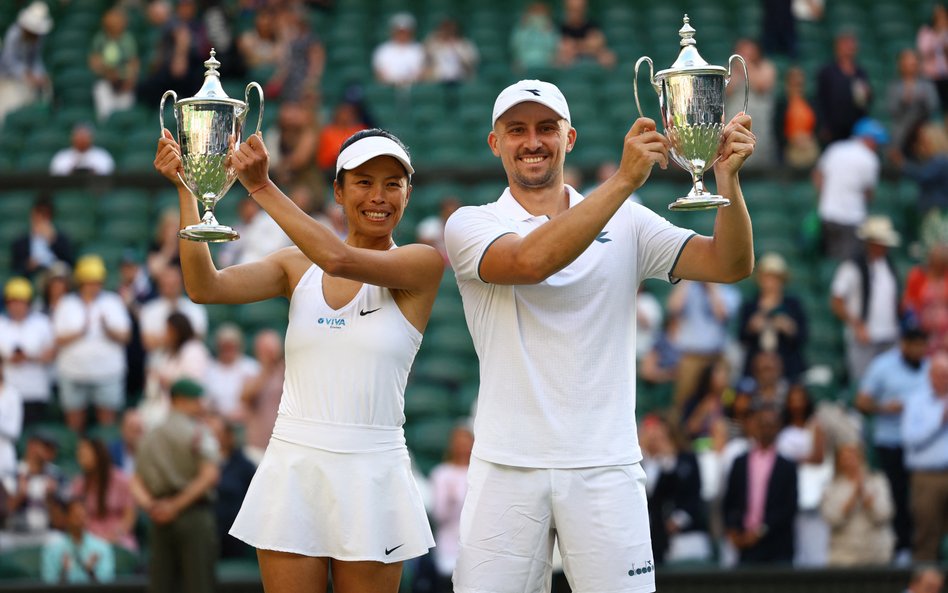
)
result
[(366, 149)]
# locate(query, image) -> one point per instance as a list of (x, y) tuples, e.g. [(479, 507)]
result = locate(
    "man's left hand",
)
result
[(737, 144)]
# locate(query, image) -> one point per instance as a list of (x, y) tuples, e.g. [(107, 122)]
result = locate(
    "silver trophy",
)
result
[(207, 123), (691, 98)]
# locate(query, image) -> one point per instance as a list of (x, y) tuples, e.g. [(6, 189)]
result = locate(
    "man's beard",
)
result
[(544, 180)]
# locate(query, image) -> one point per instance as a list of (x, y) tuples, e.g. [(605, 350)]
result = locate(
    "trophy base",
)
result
[(209, 233), (699, 202)]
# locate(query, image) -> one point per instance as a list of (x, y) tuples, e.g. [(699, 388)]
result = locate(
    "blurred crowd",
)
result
[(745, 463)]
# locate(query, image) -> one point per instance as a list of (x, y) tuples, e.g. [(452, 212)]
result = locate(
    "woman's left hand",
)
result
[(252, 162)]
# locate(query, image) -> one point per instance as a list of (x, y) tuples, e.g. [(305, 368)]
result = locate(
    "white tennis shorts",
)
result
[(598, 515)]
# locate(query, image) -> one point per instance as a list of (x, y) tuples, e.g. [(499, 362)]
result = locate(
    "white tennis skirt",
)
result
[(347, 506)]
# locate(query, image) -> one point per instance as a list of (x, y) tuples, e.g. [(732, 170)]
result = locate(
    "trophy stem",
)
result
[(699, 198), (208, 230)]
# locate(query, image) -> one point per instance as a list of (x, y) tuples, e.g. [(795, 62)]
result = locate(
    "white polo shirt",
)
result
[(94, 356), (850, 169), (153, 317), (33, 335), (557, 384)]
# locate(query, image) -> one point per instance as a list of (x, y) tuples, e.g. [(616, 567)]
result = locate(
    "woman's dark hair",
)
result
[(100, 477), (370, 133), (808, 408), (182, 330)]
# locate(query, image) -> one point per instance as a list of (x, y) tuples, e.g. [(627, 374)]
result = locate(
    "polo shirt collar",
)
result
[(511, 208)]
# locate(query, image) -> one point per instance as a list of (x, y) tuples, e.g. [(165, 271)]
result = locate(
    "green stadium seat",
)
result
[(22, 563), (427, 399), (15, 205), (237, 569), (35, 160), (268, 314), (446, 369), (429, 438)]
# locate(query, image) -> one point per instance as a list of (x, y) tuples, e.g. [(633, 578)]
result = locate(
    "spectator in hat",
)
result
[(76, 556), (82, 156), (35, 252), (176, 471), (774, 321), (114, 59), (27, 346), (925, 438), (865, 296), (846, 177), (843, 92), (400, 61), (23, 77), (91, 327), (891, 379)]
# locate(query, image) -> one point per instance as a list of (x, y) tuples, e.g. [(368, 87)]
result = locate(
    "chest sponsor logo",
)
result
[(332, 322)]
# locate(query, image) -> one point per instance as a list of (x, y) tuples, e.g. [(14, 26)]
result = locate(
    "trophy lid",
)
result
[(212, 91), (689, 60)]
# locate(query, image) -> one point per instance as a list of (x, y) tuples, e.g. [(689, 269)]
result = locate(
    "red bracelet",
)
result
[(259, 188)]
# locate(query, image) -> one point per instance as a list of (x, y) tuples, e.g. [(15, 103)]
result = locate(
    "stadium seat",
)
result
[(21, 563), (427, 399)]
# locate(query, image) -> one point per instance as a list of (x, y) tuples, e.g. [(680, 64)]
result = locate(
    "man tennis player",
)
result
[(548, 279)]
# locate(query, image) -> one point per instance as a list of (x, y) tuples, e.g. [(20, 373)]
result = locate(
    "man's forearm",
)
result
[(733, 234)]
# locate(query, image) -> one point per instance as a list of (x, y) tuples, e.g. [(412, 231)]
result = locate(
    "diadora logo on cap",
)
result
[(646, 569), (534, 92), (602, 237), (332, 322)]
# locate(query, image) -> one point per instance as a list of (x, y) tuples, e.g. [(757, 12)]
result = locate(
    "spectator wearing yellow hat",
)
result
[(92, 327), (27, 346)]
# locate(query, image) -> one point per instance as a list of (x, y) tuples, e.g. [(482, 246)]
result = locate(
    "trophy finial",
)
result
[(212, 65), (687, 32)]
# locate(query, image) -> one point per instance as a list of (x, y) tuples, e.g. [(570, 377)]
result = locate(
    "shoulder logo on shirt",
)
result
[(602, 237), (646, 569), (332, 322)]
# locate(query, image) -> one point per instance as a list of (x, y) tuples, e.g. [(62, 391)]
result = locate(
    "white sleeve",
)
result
[(659, 243), (11, 413), (68, 317), (467, 235), (845, 279), (116, 314)]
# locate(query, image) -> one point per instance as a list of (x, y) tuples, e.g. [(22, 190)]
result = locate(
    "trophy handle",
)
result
[(635, 81), (746, 79), (161, 122), (161, 108), (254, 85)]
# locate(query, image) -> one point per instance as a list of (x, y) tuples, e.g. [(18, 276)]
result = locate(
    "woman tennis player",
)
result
[(334, 492)]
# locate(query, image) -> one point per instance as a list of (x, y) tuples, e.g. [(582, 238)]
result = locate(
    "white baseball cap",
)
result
[(535, 91), (366, 149)]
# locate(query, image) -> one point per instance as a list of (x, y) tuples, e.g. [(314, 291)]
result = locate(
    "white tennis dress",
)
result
[(336, 478)]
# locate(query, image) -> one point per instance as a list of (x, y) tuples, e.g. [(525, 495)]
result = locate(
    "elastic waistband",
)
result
[(338, 438)]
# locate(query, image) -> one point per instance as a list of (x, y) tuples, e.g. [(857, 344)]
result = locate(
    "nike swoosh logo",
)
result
[(363, 312), (388, 551)]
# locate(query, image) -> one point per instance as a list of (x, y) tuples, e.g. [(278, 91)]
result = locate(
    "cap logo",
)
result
[(534, 92)]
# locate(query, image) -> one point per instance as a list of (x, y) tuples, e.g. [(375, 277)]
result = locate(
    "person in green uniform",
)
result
[(176, 470)]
